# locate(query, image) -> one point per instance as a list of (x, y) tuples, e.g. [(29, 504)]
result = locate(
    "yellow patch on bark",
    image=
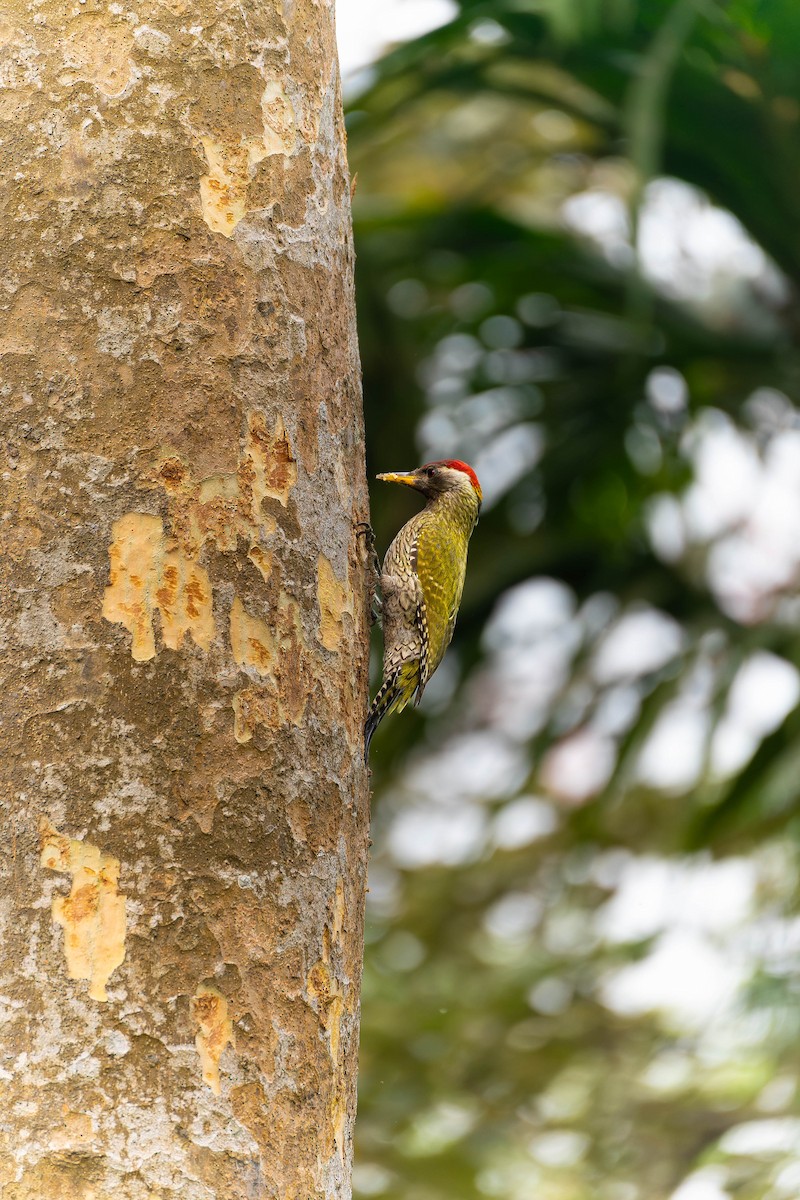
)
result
[(218, 487), (252, 640), (223, 191), (247, 713), (334, 599), (93, 915), (268, 467), (335, 1025), (322, 987), (145, 577), (184, 601), (280, 134), (210, 1012), (101, 55), (338, 1117), (337, 925), (262, 559), (232, 164), (281, 699), (75, 1133), (8, 34)]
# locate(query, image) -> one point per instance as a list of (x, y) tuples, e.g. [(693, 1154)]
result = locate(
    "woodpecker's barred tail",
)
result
[(386, 696), (394, 694)]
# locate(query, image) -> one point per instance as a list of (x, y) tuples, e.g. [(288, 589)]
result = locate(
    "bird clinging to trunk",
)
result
[(421, 583)]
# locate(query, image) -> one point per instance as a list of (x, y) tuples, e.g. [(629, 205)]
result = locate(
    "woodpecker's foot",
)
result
[(364, 529)]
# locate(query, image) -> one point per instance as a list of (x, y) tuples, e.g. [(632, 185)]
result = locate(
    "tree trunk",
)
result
[(183, 609)]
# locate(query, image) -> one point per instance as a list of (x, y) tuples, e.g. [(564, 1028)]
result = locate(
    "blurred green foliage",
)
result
[(578, 248)]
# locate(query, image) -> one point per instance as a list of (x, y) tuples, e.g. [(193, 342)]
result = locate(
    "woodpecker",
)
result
[(421, 583)]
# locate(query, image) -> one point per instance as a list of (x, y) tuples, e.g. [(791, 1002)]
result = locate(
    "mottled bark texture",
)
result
[(183, 609)]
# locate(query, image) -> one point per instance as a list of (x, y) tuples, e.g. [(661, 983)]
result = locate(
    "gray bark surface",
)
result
[(183, 608)]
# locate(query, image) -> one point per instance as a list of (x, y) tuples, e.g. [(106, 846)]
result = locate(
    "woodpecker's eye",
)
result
[(430, 472)]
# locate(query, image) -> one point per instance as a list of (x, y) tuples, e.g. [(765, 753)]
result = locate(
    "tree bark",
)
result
[(183, 617)]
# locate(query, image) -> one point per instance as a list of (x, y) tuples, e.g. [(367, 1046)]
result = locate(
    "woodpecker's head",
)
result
[(437, 478)]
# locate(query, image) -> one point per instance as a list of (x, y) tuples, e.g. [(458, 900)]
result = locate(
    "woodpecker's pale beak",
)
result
[(406, 477)]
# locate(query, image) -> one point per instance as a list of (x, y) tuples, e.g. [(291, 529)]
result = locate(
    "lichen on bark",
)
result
[(183, 626)]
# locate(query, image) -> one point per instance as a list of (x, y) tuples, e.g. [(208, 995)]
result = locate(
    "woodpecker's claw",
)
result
[(365, 530)]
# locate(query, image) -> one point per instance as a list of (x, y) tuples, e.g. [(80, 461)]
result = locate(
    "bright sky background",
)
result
[(365, 27)]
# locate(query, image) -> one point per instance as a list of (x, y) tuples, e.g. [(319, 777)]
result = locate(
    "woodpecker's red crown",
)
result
[(455, 464)]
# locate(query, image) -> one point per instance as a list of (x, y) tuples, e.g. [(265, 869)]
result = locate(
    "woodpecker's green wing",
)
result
[(440, 564)]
